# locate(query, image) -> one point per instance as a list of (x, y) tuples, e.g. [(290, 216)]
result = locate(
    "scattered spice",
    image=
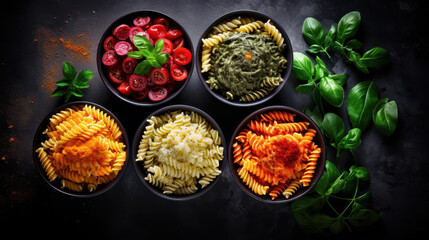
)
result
[(10, 126), (11, 139), (56, 49), (3, 157)]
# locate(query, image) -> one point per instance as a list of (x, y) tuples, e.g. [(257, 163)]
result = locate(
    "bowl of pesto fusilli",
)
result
[(244, 58), (178, 152)]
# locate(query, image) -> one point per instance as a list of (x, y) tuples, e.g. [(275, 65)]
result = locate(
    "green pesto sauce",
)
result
[(244, 60)]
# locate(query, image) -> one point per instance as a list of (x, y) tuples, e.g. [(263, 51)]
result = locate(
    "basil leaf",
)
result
[(361, 101), (348, 26), (64, 83), (77, 93), (329, 39), (337, 226), (340, 79), (316, 116), (352, 140), (333, 126), (69, 71), (329, 176), (147, 53), (314, 49), (305, 88), (302, 67), (159, 45), (375, 57), (135, 54), (362, 173), (353, 44), (153, 62), (363, 217), (142, 42), (143, 68), (320, 64), (312, 31), (385, 116), (84, 77), (59, 91), (162, 58), (331, 91)]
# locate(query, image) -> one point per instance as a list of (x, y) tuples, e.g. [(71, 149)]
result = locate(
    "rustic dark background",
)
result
[(31, 59)]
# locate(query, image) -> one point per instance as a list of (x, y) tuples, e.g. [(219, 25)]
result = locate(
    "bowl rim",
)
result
[(288, 53), (36, 144), (138, 167), (111, 87), (301, 191)]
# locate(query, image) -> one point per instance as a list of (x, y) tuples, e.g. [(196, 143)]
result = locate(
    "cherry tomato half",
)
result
[(109, 58), (116, 75), (137, 82), (157, 93), (156, 31), (121, 32), (124, 88), (173, 33), (178, 72), (109, 43), (182, 56), (134, 31), (141, 94), (141, 21), (123, 47), (178, 43), (168, 46), (159, 76), (162, 21), (129, 64)]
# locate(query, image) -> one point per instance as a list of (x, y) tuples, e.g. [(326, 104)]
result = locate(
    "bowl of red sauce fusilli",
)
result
[(81, 149), (277, 154)]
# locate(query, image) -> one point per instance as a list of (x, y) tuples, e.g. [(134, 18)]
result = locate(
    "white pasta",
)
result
[(181, 152)]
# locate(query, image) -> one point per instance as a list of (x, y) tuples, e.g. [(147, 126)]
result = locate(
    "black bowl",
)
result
[(128, 19), (141, 171), (318, 139), (288, 54), (56, 184)]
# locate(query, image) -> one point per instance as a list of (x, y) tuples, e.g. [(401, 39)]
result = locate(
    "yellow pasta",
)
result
[(84, 148)]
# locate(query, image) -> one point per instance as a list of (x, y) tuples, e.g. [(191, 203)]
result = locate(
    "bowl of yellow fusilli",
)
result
[(244, 58), (178, 152), (277, 154), (81, 149)]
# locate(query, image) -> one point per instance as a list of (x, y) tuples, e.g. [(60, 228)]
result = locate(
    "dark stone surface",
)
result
[(398, 164)]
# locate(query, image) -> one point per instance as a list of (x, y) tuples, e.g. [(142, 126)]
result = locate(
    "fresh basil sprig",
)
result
[(338, 38), (336, 203), (152, 54), (361, 101), (318, 80), (385, 116), (70, 85)]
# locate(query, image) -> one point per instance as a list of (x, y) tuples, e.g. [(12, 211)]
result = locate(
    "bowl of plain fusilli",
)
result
[(81, 149), (277, 154), (244, 58), (178, 152)]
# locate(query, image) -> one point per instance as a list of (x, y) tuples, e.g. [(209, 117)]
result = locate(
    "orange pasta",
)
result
[(84, 148), (276, 155)]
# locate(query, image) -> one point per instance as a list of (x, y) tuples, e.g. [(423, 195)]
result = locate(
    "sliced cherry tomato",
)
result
[(145, 34), (162, 21), (109, 58), (178, 43), (170, 85), (157, 93), (124, 88), (168, 46), (109, 43), (140, 95), (178, 72), (116, 75), (182, 56), (159, 76), (122, 32), (141, 21), (134, 31), (137, 82), (129, 64), (173, 33), (169, 62), (156, 31), (123, 47)]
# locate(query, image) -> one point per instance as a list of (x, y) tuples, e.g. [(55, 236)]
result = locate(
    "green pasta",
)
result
[(246, 66)]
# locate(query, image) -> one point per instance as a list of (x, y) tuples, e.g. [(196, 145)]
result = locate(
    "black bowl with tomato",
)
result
[(145, 58)]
